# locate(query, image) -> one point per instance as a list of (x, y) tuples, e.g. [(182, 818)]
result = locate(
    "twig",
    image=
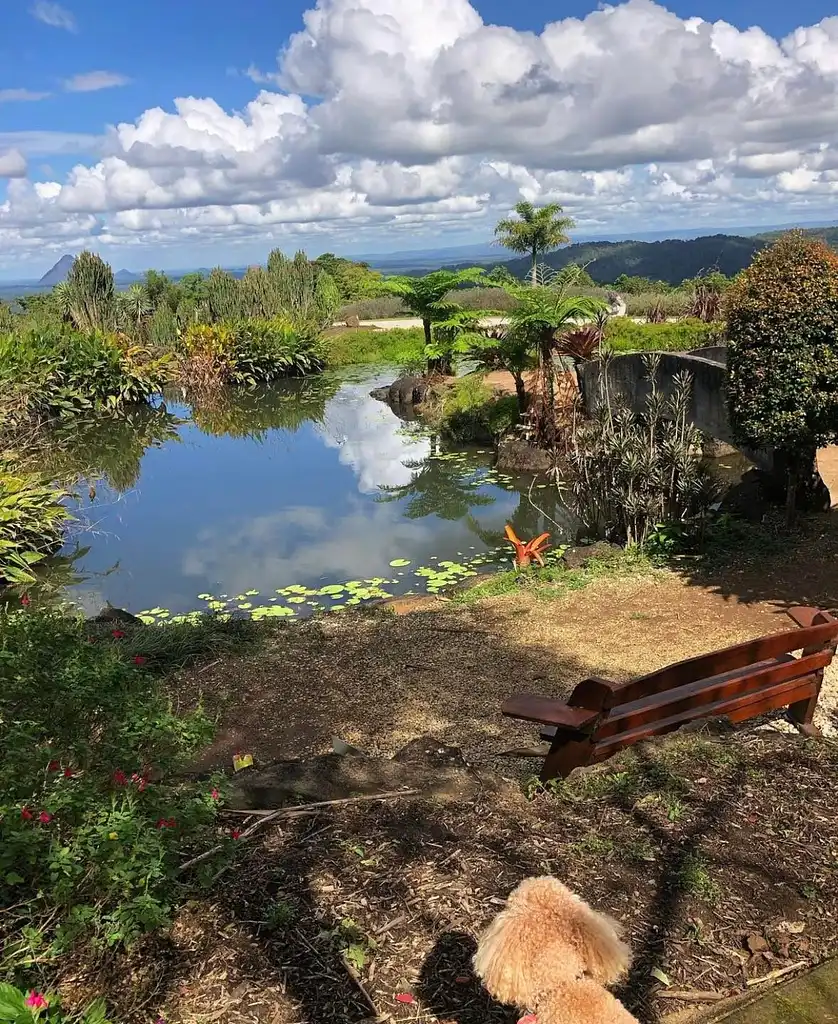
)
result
[(692, 996), (774, 975), (356, 977), (289, 812)]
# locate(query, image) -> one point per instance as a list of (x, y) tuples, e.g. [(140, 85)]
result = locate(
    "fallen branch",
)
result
[(290, 812), (692, 996), (774, 975)]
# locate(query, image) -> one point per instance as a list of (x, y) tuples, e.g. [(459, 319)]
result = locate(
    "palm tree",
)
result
[(542, 311), (535, 231), (425, 297)]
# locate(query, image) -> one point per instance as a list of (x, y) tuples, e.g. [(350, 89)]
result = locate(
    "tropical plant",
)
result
[(89, 294), (504, 347), (30, 1006), (133, 309), (535, 231), (705, 303), (656, 314), (782, 323), (583, 342), (541, 312), (428, 298), (631, 474), (526, 552), (32, 518)]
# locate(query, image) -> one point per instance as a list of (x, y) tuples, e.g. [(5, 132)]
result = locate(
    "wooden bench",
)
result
[(601, 717)]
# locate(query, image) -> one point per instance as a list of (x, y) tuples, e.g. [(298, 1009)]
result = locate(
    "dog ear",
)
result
[(606, 956), (500, 961)]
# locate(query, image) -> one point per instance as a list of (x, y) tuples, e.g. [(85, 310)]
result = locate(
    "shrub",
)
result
[(624, 335), (782, 315), (94, 820), (368, 345), (31, 522), (469, 410), (20, 1006)]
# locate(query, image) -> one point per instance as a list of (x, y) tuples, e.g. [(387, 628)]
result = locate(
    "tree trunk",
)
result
[(441, 365), (521, 392), (534, 271), (805, 489)]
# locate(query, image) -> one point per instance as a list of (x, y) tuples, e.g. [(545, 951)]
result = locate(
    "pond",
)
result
[(310, 494)]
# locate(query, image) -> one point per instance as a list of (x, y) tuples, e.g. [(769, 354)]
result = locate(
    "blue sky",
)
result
[(68, 71)]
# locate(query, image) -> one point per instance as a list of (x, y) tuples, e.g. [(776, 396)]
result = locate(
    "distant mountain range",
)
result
[(58, 273)]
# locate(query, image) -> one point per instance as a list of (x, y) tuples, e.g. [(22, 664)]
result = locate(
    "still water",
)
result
[(263, 500)]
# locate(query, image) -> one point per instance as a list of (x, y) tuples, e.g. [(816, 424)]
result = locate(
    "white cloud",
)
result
[(54, 14), (418, 118), (12, 164), (93, 81), (21, 96)]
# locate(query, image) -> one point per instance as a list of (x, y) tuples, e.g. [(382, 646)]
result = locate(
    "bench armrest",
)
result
[(549, 711), (805, 617)]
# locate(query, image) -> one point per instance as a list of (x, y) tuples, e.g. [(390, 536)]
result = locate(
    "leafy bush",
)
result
[(782, 315), (58, 372), (624, 335), (94, 820), (31, 521), (368, 345), (18, 1006), (469, 410)]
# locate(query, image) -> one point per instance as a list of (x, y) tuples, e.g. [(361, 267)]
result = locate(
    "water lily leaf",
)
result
[(399, 562), (332, 590), (147, 619), (251, 593), (204, 597), (296, 600), (245, 605)]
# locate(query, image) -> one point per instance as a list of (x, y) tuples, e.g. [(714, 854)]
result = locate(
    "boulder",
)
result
[(616, 305), (404, 391), (111, 614), (352, 321), (518, 456)]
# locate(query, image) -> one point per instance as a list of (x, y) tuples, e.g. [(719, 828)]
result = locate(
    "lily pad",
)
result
[(397, 562)]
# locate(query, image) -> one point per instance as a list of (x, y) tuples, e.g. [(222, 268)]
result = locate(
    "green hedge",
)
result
[(624, 335)]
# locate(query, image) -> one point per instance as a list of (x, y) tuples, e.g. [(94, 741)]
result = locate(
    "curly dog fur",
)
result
[(547, 951)]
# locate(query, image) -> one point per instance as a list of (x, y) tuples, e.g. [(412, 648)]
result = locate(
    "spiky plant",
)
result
[(583, 342), (90, 293), (222, 296), (656, 314), (133, 310)]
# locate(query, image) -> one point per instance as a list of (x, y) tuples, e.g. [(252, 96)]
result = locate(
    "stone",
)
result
[(518, 456), (352, 321), (616, 305), (404, 391), (111, 614)]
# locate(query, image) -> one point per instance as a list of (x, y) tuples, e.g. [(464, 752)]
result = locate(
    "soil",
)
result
[(717, 852)]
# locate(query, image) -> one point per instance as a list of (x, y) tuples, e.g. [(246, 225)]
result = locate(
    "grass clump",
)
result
[(367, 345), (468, 410), (624, 335)]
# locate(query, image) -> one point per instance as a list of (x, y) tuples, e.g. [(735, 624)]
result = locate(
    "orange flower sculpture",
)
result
[(526, 551)]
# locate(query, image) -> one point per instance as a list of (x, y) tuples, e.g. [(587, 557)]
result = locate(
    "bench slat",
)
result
[(727, 660), (533, 708), (711, 691), (737, 709)]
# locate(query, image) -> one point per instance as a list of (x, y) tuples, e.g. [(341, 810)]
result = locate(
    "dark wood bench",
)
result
[(601, 717)]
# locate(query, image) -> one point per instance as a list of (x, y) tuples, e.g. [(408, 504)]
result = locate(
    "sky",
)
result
[(197, 133)]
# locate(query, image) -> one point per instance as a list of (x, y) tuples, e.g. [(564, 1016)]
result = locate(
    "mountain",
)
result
[(670, 260), (57, 273), (126, 277)]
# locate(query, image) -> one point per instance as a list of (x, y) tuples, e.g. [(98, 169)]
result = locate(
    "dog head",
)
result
[(544, 935)]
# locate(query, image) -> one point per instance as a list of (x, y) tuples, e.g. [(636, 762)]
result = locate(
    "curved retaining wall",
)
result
[(628, 380)]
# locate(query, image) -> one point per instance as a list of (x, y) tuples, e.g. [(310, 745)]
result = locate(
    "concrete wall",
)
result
[(628, 380)]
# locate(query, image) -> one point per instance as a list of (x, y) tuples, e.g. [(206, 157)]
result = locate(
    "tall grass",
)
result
[(365, 345), (624, 335)]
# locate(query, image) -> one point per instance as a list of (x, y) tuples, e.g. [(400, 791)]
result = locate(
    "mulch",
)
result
[(718, 854)]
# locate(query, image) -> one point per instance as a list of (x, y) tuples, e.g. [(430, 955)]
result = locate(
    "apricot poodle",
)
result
[(549, 953)]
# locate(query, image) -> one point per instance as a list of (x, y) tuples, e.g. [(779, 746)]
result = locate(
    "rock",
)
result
[(404, 391), (111, 614), (429, 751), (352, 321), (616, 305), (345, 749), (756, 943), (517, 456), (579, 557)]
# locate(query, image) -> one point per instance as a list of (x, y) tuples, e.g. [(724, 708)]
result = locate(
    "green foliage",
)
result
[(21, 1006), (631, 474), (367, 345), (633, 285), (782, 315), (355, 281), (470, 411), (31, 521), (94, 815), (624, 335), (89, 294), (535, 230)]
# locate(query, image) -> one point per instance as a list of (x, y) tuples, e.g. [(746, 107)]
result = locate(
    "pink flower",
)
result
[(44, 818), (53, 766), (166, 823), (36, 1001), (139, 659), (68, 773), (141, 780), (405, 997), (117, 634), (235, 832), (26, 814), (214, 794), (119, 777), (25, 601)]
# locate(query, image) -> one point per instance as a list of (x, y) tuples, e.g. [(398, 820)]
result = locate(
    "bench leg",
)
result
[(803, 713), (566, 753)]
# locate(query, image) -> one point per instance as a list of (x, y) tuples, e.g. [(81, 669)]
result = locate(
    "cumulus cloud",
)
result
[(53, 14), (12, 164), (21, 96), (93, 81), (420, 118)]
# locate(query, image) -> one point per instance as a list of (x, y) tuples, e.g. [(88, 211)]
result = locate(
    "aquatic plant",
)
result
[(527, 551), (32, 518)]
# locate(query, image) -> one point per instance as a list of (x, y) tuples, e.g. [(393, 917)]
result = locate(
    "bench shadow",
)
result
[(449, 988)]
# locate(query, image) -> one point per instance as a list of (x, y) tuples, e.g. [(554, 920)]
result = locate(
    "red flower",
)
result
[(139, 659), (167, 823), (25, 601), (44, 818), (119, 778), (214, 794), (235, 832), (141, 780), (26, 814), (68, 773), (117, 634), (405, 997), (36, 1001), (53, 766)]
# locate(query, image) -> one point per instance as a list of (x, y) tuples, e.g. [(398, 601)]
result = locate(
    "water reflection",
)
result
[(308, 483)]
